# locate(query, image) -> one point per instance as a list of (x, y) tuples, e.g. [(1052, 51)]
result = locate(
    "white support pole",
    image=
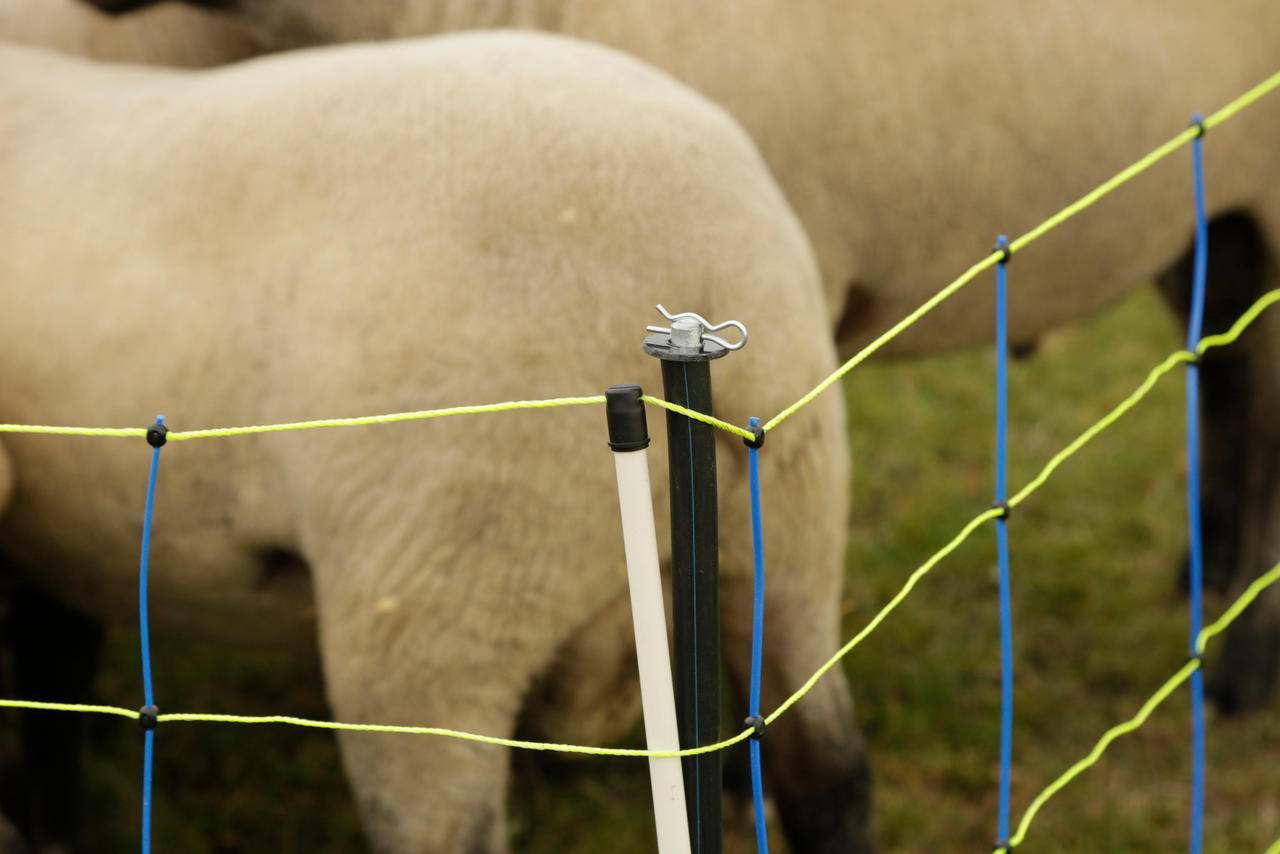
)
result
[(640, 541)]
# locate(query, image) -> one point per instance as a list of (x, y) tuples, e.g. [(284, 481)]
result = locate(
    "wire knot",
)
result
[(757, 441), (148, 717), (157, 433), (1002, 247), (757, 723), (1003, 507)]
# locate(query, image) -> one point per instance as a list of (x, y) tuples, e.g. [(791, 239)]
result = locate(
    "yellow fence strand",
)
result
[(97, 432), (973, 525), (1085, 201), (1094, 755), (1174, 359), (69, 707), (897, 329), (1017, 244), (1217, 118), (508, 406), (1243, 101), (186, 717), (699, 416), (449, 733), (362, 421), (1251, 592)]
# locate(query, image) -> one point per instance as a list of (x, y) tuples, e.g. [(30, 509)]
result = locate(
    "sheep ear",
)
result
[(119, 7)]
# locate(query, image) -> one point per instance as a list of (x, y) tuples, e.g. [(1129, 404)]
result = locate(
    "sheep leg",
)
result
[(1235, 277), (1240, 449), (1243, 675), (56, 653), (431, 628)]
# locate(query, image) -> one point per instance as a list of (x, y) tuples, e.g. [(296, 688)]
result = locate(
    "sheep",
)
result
[(907, 136), (367, 229), (172, 35)]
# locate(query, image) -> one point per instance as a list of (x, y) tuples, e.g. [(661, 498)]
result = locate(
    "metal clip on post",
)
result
[(689, 338)]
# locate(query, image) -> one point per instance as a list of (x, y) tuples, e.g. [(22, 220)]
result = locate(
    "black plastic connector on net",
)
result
[(757, 442), (1004, 846), (1197, 122), (157, 434), (1004, 508), (148, 717), (756, 722), (1002, 247)]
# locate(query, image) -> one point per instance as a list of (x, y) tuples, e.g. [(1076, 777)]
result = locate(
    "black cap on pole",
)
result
[(628, 429)]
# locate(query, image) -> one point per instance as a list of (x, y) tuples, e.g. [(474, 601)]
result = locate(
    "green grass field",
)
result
[(1099, 625)]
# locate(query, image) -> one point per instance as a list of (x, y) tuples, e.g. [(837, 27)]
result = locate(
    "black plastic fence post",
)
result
[(686, 354)]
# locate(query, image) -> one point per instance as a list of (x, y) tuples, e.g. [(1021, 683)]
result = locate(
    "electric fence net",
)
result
[(158, 435)]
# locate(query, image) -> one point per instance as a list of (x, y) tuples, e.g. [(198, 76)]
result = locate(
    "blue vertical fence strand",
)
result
[(1195, 559), (145, 638), (148, 751), (757, 643), (1002, 543)]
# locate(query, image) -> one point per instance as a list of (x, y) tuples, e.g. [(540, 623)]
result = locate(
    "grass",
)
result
[(1098, 623), (1098, 626)]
